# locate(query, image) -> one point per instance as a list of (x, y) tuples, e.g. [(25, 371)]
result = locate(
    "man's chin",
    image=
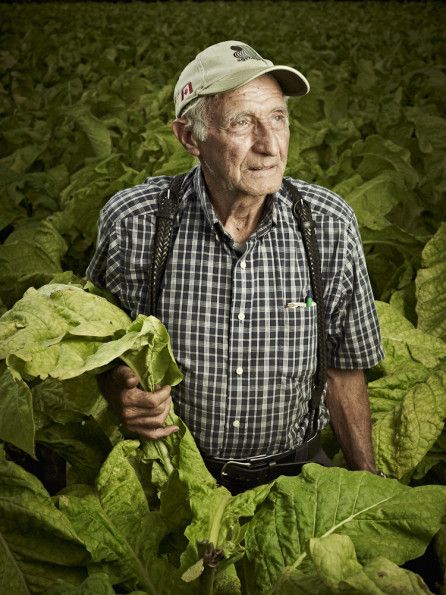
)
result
[(266, 178), (264, 187)]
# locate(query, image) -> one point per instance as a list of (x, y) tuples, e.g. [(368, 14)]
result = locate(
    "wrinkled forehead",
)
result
[(258, 97)]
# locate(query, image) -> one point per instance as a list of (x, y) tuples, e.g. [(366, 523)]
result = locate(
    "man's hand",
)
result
[(140, 412)]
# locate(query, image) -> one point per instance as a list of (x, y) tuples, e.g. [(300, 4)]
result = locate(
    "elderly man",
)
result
[(237, 295)]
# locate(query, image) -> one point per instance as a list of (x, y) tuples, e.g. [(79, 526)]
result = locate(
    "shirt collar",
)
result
[(203, 197)]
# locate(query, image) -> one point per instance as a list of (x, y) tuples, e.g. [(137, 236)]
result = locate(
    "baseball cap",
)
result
[(229, 65)]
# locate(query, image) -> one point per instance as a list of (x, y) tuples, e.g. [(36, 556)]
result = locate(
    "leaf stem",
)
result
[(164, 456), (216, 522), (208, 577), (207, 581), (298, 561)]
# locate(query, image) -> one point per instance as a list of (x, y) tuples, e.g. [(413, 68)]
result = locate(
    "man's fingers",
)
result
[(142, 413), (150, 428), (158, 433), (155, 415), (125, 376), (134, 413), (140, 399)]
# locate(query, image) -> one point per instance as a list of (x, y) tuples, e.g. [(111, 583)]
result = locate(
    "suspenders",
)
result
[(302, 214), (168, 202)]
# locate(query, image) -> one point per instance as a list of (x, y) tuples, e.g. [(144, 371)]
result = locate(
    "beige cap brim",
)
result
[(292, 82)]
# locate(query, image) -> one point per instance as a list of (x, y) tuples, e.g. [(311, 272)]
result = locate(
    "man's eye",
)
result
[(240, 123)]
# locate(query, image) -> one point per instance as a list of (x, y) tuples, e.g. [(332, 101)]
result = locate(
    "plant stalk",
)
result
[(207, 581)]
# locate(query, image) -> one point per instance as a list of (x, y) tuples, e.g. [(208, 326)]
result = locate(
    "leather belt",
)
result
[(261, 469)]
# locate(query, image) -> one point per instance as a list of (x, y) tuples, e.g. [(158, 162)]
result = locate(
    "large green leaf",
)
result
[(16, 421), (63, 331), (83, 445), (380, 154), (381, 516), (98, 583), (408, 403), (118, 528), (334, 569), (96, 131), (89, 189), (409, 412), (374, 199), (384, 577), (74, 420), (10, 197), (430, 130), (20, 160), (150, 353), (30, 260), (68, 401), (431, 286), (404, 344), (334, 558), (38, 543)]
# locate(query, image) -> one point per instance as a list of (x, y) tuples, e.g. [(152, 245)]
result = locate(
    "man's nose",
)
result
[(265, 139)]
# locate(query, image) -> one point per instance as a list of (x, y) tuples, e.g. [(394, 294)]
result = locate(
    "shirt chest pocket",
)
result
[(299, 340)]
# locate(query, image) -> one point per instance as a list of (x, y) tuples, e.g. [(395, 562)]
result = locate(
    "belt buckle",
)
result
[(254, 472), (233, 463)]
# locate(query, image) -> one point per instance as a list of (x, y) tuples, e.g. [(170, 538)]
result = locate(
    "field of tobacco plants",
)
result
[(85, 106)]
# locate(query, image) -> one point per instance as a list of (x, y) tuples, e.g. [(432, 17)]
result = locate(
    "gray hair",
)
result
[(197, 116)]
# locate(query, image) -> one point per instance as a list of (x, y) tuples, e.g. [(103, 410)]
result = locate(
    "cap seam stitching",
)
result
[(202, 72), (221, 78)]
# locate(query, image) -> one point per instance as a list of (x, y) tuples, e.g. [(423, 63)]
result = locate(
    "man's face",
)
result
[(246, 150)]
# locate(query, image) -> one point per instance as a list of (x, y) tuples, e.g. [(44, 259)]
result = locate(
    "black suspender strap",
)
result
[(168, 203), (302, 213)]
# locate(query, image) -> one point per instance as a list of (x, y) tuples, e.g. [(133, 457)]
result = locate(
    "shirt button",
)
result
[(241, 316), (236, 423), (239, 371), (243, 265)]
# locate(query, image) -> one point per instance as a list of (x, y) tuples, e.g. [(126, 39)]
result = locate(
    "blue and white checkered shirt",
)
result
[(245, 346)]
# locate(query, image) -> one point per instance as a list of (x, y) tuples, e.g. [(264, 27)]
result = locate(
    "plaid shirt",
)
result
[(247, 355)]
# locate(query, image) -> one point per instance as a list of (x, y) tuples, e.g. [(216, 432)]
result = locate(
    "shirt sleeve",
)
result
[(353, 333), (104, 269)]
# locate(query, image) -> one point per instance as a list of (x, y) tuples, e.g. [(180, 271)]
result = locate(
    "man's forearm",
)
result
[(348, 404)]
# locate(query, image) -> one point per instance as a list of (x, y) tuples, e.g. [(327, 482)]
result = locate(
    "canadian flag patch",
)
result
[(186, 90)]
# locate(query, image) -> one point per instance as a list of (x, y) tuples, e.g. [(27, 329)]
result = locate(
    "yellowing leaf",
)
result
[(431, 286)]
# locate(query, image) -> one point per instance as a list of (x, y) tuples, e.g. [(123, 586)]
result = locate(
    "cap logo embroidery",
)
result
[(245, 53), (186, 90)]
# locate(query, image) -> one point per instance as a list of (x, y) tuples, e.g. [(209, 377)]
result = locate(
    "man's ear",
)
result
[(185, 136)]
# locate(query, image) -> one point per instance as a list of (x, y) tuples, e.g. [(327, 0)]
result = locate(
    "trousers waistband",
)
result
[(265, 467)]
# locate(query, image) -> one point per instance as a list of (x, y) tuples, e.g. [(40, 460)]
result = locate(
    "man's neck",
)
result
[(242, 218), (240, 214)]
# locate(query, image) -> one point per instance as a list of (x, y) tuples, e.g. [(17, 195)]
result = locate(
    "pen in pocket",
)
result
[(308, 303), (309, 299)]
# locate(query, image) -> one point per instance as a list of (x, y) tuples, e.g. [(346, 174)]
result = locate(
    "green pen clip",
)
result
[(309, 299)]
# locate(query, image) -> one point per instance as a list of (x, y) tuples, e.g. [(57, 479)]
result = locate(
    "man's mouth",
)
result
[(262, 168)]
